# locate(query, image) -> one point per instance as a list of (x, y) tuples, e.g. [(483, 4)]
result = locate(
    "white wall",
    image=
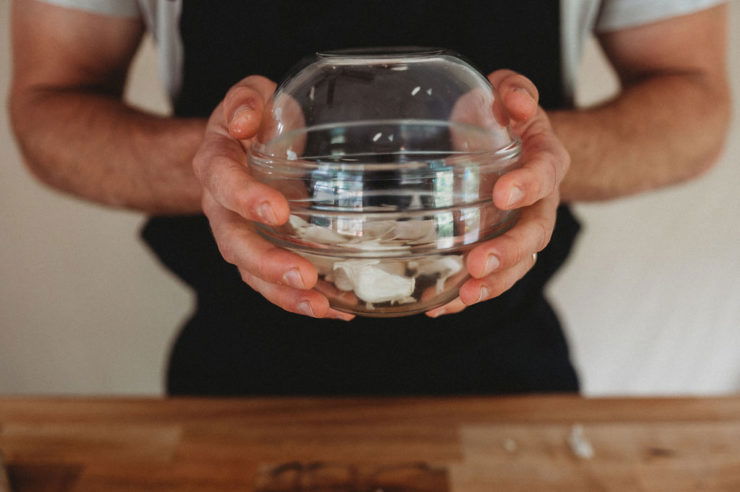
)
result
[(650, 296), (84, 308)]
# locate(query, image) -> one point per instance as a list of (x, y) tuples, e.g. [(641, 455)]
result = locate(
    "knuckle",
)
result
[(249, 192), (539, 184), (241, 204), (543, 235), (247, 278), (284, 301), (566, 158), (229, 247), (544, 173), (552, 174), (516, 252), (507, 250), (200, 165), (226, 248), (237, 95), (218, 177), (264, 265), (496, 286), (503, 283), (207, 204)]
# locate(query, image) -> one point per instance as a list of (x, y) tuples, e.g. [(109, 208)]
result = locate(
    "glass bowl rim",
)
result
[(385, 52), (281, 163)]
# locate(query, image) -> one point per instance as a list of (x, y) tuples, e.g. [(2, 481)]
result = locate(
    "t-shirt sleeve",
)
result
[(117, 8), (621, 14)]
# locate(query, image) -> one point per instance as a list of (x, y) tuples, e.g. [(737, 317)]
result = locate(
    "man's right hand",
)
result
[(232, 198)]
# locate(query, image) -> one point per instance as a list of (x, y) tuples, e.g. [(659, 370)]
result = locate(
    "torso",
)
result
[(238, 343)]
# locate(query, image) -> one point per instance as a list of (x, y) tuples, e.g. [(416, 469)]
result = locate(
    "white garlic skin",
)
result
[(379, 280)]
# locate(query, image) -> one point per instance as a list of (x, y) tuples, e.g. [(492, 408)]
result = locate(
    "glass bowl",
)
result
[(388, 160)]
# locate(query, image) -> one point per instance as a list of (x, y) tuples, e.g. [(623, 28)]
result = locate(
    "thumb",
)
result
[(516, 93), (244, 105)]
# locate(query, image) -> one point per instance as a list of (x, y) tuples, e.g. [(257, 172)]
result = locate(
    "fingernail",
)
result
[(247, 106), (522, 90), (293, 278), (266, 213), (483, 294), (515, 196), (240, 118), (342, 316), (492, 263), (305, 308)]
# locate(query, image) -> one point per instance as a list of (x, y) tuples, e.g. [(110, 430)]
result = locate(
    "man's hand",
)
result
[(232, 198), (231, 195), (498, 264)]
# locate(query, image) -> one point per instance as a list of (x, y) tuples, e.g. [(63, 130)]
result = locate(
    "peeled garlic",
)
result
[(342, 281), (314, 233), (373, 284), (376, 281), (443, 266)]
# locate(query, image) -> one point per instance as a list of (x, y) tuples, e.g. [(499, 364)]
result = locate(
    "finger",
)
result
[(244, 105), (334, 314), (299, 301), (518, 94), (289, 118), (530, 234), (343, 297), (452, 307), (219, 167), (305, 302), (335, 295), (240, 245), (545, 163), (481, 289)]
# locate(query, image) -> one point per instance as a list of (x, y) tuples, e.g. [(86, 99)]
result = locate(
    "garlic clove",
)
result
[(315, 233), (373, 284), (444, 265)]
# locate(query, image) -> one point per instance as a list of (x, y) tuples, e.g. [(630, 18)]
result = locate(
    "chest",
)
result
[(226, 40)]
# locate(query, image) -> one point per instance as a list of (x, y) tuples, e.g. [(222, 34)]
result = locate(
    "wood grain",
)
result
[(475, 444), (4, 485)]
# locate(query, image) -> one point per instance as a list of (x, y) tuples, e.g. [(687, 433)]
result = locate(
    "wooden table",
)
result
[(461, 444)]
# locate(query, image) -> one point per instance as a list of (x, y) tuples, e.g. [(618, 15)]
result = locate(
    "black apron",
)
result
[(237, 343)]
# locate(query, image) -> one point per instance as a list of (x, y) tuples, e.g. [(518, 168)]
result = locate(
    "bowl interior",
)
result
[(386, 210), (384, 166)]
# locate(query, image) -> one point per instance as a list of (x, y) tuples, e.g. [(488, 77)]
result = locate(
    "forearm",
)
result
[(659, 131), (95, 147)]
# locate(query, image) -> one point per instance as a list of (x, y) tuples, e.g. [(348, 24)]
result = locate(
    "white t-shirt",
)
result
[(579, 18)]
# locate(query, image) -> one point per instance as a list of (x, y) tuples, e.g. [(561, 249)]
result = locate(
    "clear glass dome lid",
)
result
[(360, 101)]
